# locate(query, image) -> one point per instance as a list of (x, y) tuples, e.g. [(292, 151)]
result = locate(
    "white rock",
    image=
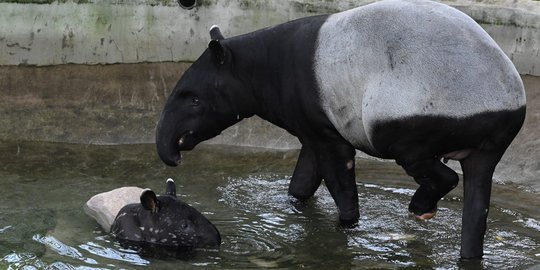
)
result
[(104, 207)]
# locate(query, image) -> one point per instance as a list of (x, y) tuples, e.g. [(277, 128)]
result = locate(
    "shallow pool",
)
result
[(244, 193)]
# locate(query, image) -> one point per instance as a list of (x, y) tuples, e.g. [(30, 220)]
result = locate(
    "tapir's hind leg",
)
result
[(478, 170), (435, 180)]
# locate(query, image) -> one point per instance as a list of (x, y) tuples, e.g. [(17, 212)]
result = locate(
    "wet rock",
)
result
[(104, 207)]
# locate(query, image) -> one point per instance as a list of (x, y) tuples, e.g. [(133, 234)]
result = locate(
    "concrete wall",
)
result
[(89, 104), (106, 32), (100, 71), (121, 103)]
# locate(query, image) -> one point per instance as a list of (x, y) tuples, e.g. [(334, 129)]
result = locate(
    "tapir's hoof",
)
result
[(348, 223), (424, 216)]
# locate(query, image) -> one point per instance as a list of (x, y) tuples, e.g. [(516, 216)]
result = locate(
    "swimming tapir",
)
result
[(163, 222), (415, 81)]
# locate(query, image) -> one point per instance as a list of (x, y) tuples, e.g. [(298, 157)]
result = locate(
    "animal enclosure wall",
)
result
[(100, 71)]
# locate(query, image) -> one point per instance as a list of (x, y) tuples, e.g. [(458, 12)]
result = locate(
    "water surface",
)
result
[(244, 193)]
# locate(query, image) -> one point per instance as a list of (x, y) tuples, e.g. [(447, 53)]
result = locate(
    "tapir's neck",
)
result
[(276, 64)]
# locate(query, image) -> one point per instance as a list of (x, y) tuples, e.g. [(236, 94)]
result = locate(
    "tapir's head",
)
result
[(209, 97), (164, 221)]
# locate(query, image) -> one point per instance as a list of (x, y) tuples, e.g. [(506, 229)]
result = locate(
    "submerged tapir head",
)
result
[(209, 97), (164, 221)]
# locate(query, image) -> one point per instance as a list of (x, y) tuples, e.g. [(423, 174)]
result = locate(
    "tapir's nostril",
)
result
[(187, 4)]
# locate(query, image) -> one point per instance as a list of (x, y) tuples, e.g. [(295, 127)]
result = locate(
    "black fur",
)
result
[(163, 223)]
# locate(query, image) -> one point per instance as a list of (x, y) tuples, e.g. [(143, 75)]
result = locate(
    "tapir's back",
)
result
[(401, 59)]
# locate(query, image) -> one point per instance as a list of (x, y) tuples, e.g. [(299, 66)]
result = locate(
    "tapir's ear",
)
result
[(149, 200), (217, 50), (215, 33), (171, 188)]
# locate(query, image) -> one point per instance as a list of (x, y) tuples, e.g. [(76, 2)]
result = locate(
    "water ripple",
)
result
[(5, 228), (265, 237), (257, 193), (22, 261), (61, 248), (110, 253), (250, 246)]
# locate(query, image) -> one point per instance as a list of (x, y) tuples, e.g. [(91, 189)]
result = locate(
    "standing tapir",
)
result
[(415, 81), (163, 223)]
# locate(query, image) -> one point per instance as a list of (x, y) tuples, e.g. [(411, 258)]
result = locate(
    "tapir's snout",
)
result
[(169, 147), (209, 236), (167, 144), (168, 154)]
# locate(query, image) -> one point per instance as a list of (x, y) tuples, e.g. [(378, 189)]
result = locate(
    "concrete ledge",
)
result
[(108, 32)]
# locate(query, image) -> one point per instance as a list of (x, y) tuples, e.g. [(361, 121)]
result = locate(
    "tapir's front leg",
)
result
[(306, 178), (336, 165)]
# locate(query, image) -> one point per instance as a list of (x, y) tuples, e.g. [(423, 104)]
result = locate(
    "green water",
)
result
[(43, 187)]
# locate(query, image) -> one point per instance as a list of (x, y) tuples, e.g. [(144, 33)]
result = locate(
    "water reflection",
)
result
[(244, 193), (62, 249), (117, 253), (22, 261)]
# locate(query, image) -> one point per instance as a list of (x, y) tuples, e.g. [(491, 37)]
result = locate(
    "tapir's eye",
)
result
[(183, 225), (195, 101)]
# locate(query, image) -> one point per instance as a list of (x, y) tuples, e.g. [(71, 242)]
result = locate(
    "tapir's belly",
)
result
[(428, 60)]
